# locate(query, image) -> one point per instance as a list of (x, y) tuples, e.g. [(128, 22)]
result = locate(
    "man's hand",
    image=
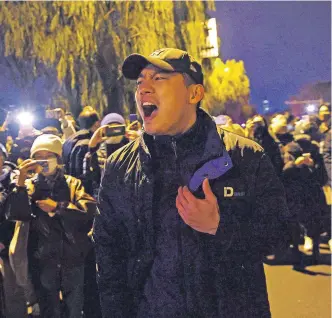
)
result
[(200, 214), (59, 113), (132, 134), (25, 166), (47, 206), (304, 160), (98, 137)]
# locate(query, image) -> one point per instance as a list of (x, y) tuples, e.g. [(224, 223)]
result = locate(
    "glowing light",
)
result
[(25, 118), (311, 108), (226, 69), (211, 42)]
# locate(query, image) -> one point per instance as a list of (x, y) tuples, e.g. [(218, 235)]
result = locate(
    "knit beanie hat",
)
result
[(47, 142), (112, 118)]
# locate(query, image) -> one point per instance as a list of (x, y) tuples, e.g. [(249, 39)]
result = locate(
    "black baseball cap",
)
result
[(168, 59)]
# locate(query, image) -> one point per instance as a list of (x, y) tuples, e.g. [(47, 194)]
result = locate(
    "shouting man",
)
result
[(186, 211)]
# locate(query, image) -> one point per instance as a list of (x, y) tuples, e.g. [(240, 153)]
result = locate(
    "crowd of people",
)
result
[(50, 177), (49, 182), (300, 151)]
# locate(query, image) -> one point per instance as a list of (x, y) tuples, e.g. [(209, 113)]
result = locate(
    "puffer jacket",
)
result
[(223, 274)]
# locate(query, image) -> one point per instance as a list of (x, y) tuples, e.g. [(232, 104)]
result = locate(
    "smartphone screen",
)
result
[(118, 130), (43, 164)]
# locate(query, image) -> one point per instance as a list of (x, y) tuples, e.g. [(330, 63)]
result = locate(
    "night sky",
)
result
[(284, 45)]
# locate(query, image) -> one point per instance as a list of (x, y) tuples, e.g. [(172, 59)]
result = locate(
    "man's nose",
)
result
[(145, 88)]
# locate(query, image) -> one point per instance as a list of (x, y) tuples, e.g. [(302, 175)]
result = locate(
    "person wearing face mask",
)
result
[(102, 144), (55, 213)]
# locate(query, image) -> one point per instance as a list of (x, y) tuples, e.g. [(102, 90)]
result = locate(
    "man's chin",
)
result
[(153, 130)]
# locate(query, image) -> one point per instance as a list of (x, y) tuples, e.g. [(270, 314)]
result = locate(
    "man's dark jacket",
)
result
[(223, 274)]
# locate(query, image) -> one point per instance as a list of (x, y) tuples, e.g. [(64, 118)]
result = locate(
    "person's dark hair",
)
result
[(188, 80), (87, 119)]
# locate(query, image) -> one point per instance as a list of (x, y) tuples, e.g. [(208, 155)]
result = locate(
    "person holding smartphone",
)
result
[(12, 302), (58, 213), (187, 211), (108, 138), (105, 140)]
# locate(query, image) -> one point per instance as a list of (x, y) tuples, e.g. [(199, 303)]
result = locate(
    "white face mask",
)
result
[(50, 169), (114, 140)]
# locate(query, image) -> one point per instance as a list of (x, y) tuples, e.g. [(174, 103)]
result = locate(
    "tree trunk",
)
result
[(108, 71)]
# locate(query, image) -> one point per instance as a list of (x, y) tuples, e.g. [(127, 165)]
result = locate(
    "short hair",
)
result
[(188, 80), (87, 119)]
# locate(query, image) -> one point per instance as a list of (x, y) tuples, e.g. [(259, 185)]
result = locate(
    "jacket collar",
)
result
[(214, 146)]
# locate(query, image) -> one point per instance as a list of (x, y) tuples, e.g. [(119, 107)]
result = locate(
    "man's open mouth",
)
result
[(148, 109)]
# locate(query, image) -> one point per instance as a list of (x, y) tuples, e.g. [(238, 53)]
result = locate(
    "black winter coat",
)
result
[(270, 146), (64, 237), (223, 274), (305, 197), (6, 227)]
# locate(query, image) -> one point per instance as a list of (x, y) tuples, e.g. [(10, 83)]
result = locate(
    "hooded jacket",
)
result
[(223, 273)]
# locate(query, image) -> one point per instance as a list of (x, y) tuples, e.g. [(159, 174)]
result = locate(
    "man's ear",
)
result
[(196, 93)]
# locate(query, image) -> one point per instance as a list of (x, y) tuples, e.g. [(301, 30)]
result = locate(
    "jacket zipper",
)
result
[(177, 171), (174, 149)]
